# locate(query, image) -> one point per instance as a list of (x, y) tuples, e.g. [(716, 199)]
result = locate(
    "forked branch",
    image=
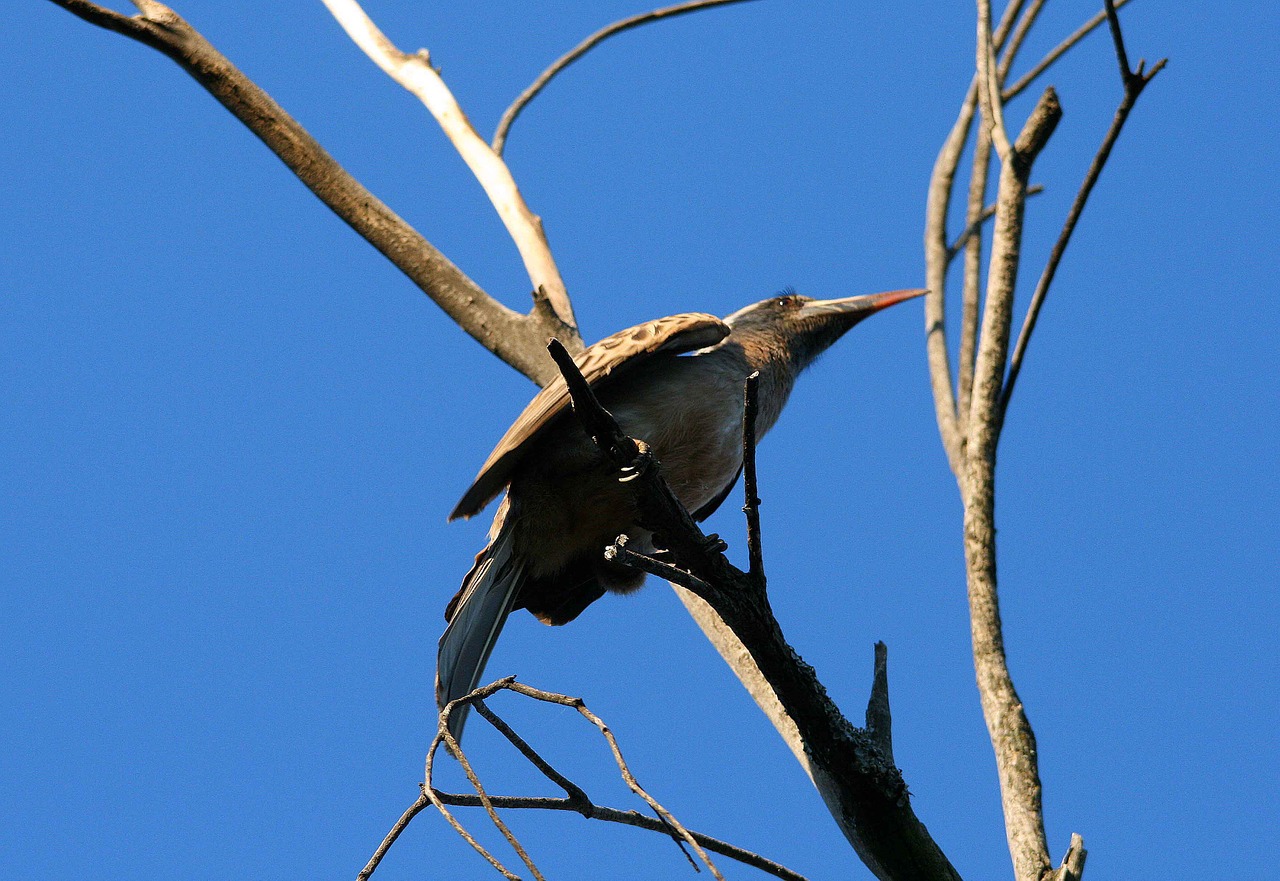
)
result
[(416, 74), (517, 339), (970, 431)]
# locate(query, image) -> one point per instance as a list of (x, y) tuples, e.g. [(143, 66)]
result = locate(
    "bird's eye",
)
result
[(788, 301)]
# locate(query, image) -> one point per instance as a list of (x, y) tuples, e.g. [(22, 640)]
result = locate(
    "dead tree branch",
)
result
[(517, 339), (522, 100), (970, 418), (1134, 82), (416, 74)]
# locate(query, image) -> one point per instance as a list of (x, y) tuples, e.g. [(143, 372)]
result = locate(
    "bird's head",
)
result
[(802, 328)]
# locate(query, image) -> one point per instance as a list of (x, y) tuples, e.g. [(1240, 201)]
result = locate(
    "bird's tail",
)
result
[(476, 616)]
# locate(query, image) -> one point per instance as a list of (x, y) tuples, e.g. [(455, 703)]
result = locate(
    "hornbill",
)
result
[(675, 383)]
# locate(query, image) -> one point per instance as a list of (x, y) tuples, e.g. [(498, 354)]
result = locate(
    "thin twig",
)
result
[(625, 818), (635, 787), (1019, 35), (491, 803), (620, 553), (751, 505), (987, 213), (390, 839), (499, 142), (1061, 49), (429, 792), (1117, 39), (989, 84), (1134, 83), (971, 290), (455, 750), (574, 792)]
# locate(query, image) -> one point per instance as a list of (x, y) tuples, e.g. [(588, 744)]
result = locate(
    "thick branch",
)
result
[(416, 74), (1012, 738), (531, 92), (515, 338)]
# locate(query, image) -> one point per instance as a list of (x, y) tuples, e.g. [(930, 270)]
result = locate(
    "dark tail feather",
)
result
[(476, 616)]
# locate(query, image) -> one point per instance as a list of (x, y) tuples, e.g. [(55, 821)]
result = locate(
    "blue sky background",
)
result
[(230, 433)]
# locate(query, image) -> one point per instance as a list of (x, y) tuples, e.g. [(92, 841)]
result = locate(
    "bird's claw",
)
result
[(639, 465), (714, 544)]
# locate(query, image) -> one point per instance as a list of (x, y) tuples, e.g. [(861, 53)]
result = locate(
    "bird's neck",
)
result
[(769, 356)]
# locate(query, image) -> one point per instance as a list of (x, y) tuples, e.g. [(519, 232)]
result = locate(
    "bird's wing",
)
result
[(601, 363)]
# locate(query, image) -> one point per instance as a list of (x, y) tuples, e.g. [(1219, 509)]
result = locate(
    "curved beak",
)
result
[(862, 306)]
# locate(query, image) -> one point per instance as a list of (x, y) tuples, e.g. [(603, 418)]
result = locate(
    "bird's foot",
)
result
[(639, 465)]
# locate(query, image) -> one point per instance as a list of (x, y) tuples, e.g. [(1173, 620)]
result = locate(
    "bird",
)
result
[(675, 383)]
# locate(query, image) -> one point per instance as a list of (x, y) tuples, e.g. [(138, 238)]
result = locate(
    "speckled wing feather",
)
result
[(600, 364)]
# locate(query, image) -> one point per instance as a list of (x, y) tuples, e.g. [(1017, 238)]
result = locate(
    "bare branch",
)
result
[(879, 718), (390, 839), (1020, 33), (1061, 49), (1072, 866), (671, 824), (455, 750), (938, 259), (941, 185), (989, 84), (511, 336), (1117, 39), (1134, 83), (971, 290), (635, 787), (987, 213), (751, 504), (531, 92), (416, 74), (619, 552), (430, 793)]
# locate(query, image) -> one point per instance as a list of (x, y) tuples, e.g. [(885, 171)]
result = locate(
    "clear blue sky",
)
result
[(230, 433)]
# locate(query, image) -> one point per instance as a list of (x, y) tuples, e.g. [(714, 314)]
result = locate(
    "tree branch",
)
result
[(416, 74), (516, 339), (522, 100), (671, 825), (751, 502), (1012, 738), (1061, 49), (863, 790), (1134, 83)]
